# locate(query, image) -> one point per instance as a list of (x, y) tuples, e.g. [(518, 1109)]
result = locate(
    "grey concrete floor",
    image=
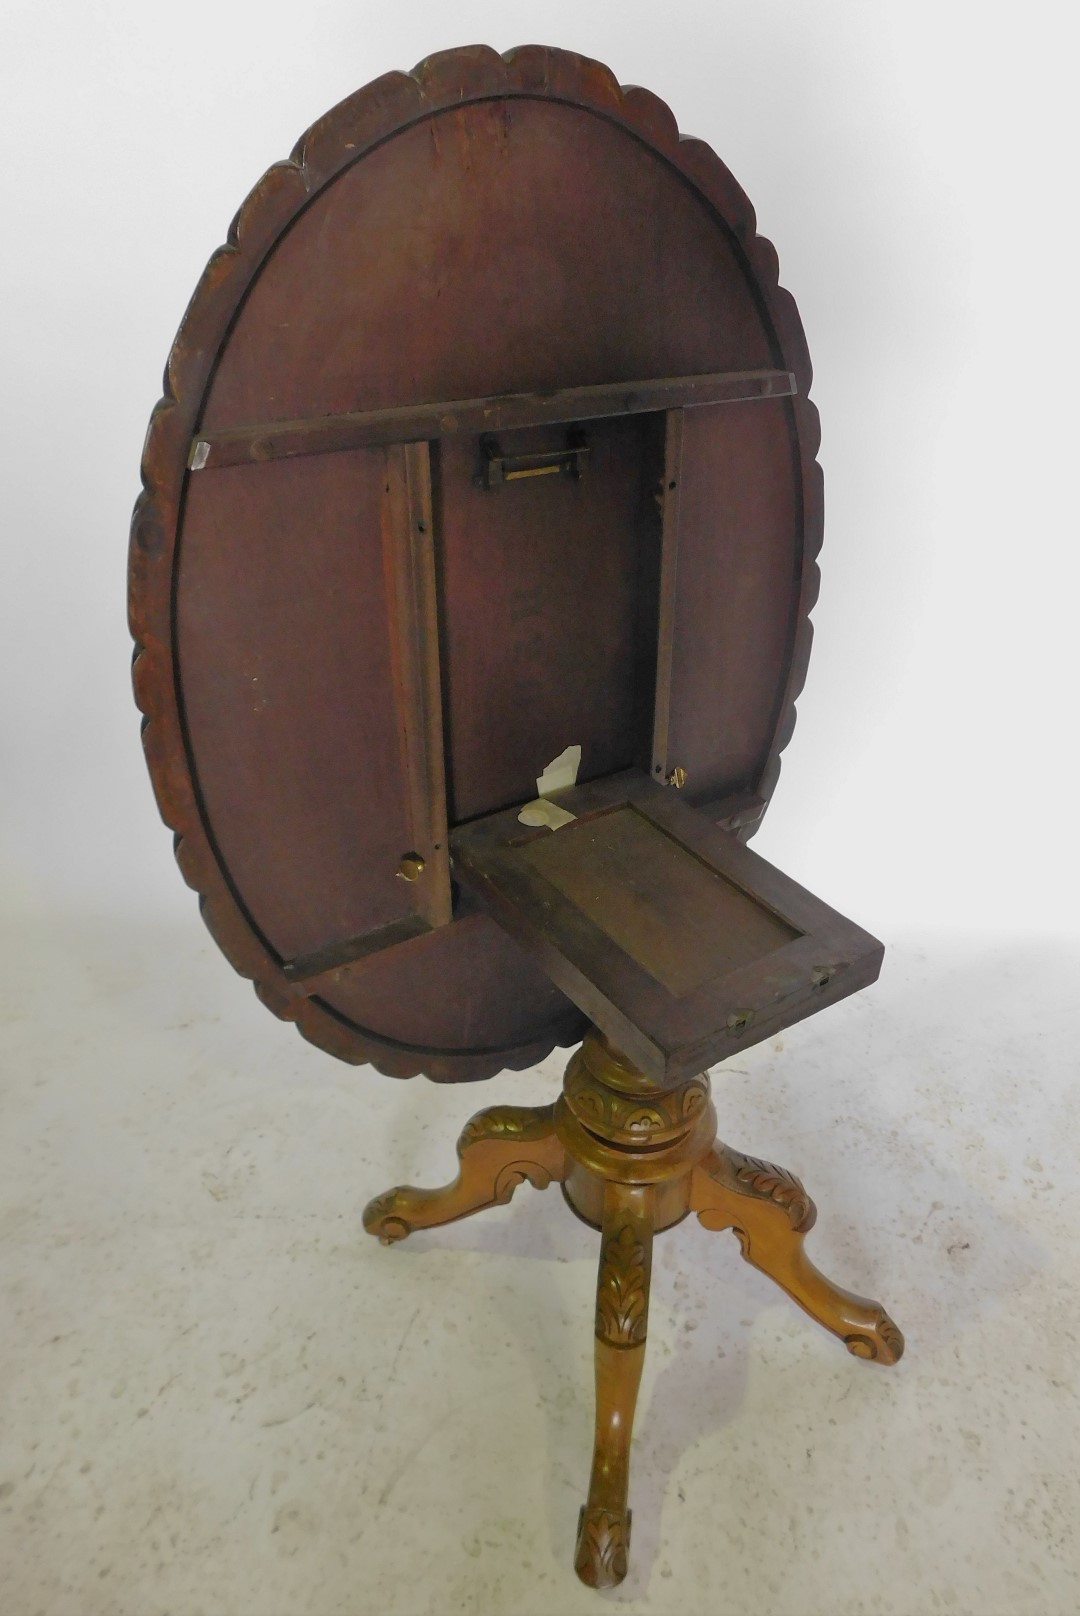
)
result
[(220, 1398)]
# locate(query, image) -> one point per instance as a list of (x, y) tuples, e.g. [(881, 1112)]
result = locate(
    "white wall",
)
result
[(914, 166)]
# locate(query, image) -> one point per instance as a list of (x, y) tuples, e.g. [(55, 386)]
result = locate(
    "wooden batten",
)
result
[(325, 434), (662, 764), (409, 553)]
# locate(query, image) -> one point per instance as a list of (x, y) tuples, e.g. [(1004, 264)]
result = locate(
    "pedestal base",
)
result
[(632, 1160)]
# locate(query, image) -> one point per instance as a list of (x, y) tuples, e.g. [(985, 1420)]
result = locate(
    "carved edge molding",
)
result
[(507, 1122), (387, 105), (771, 1183)]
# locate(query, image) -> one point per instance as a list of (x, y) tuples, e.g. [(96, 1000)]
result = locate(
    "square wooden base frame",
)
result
[(634, 1158)]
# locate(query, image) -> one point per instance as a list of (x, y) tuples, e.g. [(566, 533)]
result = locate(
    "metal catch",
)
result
[(498, 468)]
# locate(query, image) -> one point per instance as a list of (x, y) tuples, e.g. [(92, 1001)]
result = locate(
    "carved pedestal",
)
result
[(634, 1159)]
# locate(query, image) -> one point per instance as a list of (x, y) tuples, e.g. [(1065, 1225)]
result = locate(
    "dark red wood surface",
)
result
[(549, 605), (281, 612), (737, 596), (493, 247), (484, 225)]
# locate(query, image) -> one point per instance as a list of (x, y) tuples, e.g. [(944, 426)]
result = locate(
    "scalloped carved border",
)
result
[(338, 139)]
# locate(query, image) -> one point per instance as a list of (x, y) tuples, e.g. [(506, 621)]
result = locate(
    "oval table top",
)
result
[(486, 434)]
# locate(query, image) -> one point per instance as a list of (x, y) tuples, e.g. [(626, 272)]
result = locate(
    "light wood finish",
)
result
[(634, 1158), (771, 1214), (622, 1315), (498, 1150)]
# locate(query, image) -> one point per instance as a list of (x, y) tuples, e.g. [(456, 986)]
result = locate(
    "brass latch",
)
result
[(498, 468)]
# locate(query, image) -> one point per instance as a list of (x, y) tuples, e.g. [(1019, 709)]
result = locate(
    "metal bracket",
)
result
[(498, 468)]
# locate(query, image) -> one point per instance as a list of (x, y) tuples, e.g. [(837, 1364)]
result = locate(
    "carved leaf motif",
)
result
[(777, 1184), (603, 1542), (497, 1122), (604, 1108), (621, 1298)]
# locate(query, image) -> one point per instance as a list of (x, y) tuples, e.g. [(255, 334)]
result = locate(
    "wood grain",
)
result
[(482, 226), (678, 942), (327, 434)]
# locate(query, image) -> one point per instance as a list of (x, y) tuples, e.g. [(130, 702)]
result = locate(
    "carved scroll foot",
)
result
[(498, 1149), (771, 1213), (622, 1309)]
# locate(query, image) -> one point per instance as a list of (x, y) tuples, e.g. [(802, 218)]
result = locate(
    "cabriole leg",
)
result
[(622, 1310), (771, 1213), (498, 1149)]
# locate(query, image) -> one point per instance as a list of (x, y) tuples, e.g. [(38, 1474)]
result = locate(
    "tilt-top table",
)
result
[(471, 584)]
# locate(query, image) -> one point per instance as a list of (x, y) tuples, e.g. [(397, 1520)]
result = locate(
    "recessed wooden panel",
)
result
[(548, 602), (599, 903), (283, 634), (671, 912)]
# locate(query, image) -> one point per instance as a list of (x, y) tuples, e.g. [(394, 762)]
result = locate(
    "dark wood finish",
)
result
[(306, 789), (616, 868), (322, 962), (680, 943), (634, 1159), (549, 625), (482, 228), (468, 987), (732, 536), (668, 500), (409, 551), (276, 440)]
